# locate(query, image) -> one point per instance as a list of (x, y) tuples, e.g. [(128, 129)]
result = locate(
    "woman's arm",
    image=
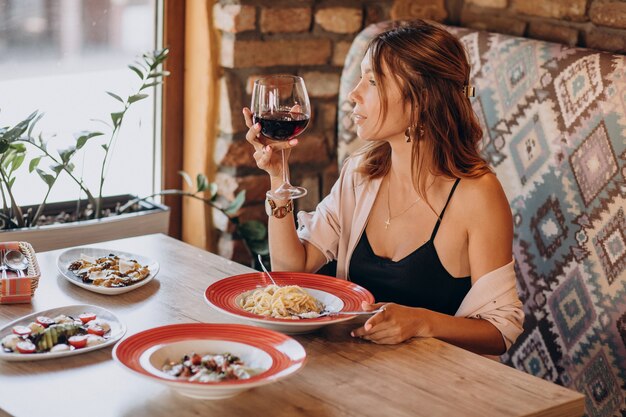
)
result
[(398, 323), (287, 252)]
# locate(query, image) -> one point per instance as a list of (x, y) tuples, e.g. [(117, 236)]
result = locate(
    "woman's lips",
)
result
[(358, 118)]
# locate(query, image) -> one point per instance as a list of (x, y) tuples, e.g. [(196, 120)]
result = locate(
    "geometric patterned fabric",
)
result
[(554, 123)]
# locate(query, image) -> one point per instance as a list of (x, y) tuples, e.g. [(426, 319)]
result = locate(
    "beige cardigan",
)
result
[(335, 228)]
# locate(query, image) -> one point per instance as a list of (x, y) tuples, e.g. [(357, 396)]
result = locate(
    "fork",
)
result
[(3, 266), (265, 270), (313, 315)]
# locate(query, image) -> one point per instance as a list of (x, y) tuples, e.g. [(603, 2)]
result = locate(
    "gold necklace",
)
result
[(389, 216)]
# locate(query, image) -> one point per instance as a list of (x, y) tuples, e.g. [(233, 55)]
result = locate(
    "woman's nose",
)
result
[(353, 95)]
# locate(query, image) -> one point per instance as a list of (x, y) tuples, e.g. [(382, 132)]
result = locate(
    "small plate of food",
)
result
[(299, 303), (106, 271), (209, 360), (59, 332)]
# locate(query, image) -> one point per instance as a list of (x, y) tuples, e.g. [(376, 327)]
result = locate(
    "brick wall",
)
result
[(311, 38), (597, 24)]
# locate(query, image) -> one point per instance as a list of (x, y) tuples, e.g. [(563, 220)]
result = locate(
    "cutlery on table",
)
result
[(314, 315), (266, 271), (16, 261), (3, 266)]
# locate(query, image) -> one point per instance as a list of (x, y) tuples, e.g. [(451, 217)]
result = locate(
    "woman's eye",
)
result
[(373, 83)]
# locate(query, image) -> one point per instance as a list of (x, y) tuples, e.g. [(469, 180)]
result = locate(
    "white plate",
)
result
[(118, 329), (274, 354), (66, 258)]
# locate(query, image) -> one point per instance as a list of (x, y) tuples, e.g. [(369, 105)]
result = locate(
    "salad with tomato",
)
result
[(58, 334)]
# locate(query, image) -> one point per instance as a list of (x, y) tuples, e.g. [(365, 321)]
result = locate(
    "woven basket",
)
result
[(20, 290)]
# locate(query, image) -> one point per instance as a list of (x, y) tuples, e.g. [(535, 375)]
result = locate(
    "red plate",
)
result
[(286, 354), (223, 295)]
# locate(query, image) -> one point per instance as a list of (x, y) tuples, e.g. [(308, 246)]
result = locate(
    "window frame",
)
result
[(173, 110)]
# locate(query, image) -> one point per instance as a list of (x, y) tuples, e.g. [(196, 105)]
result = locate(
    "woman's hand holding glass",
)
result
[(280, 105), (265, 153)]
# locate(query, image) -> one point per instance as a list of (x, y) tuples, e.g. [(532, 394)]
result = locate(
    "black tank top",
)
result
[(418, 280)]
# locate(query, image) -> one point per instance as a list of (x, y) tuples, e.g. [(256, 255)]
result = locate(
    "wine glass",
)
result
[(280, 104)]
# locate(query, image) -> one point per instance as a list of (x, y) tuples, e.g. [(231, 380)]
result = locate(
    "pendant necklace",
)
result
[(389, 216)]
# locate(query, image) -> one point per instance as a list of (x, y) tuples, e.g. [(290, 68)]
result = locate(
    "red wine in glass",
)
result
[(281, 125), (280, 104)]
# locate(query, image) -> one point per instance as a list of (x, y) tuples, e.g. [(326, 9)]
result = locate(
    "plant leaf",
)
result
[(47, 178), (236, 204), (150, 85), (84, 137), (18, 147), (42, 143), (56, 168), (115, 96), (136, 97), (15, 132), (186, 177), (33, 163), (11, 181), (213, 190), (253, 230), (117, 118), (137, 71), (4, 145), (66, 154), (33, 123), (18, 161), (201, 182), (159, 74), (105, 146), (101, 121), (140, 64)]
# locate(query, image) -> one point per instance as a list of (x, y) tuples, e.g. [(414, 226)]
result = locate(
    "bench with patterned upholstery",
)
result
[(554, 121)]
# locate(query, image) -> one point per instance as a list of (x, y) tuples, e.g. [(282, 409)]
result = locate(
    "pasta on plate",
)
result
[(283, 302)]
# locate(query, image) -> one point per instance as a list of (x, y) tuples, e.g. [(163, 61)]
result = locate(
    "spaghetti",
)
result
[(283, 302)]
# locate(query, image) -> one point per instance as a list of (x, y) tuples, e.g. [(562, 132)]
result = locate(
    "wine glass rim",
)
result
[(288, 79)]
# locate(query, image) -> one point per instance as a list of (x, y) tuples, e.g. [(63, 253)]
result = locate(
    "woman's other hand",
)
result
[(395, 324), (265, 149)]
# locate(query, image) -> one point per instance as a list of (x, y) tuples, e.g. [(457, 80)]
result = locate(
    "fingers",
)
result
[(369, 307), (386, 333), (247, 114), (278, 146), (393, 340), (374, 321), (263, 156), (373, 324), (253, 137)]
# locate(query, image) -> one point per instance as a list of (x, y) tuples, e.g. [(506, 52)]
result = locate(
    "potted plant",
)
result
[(93, 218), (96, 218)]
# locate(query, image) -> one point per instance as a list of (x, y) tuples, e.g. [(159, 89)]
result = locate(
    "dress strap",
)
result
[(432, 237)]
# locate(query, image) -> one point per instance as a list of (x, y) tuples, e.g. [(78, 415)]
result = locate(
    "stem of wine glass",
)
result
[(285, 169)]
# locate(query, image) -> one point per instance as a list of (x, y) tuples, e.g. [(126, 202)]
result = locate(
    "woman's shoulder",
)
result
[(487, 184), (483, 196)]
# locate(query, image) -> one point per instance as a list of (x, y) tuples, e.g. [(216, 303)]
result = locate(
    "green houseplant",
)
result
[(19, 146)]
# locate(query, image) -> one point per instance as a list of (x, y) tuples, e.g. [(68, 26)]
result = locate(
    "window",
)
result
[(60, 57)]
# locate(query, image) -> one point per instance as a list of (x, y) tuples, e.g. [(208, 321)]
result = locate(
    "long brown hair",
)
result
[(432, 68)]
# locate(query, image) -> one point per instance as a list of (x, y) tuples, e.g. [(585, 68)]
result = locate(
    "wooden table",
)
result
[(343, 376)]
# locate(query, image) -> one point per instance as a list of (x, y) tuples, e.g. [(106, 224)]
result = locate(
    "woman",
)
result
[(416, 216)]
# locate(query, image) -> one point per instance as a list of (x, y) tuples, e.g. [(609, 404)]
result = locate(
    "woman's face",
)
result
[(367, 114)]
